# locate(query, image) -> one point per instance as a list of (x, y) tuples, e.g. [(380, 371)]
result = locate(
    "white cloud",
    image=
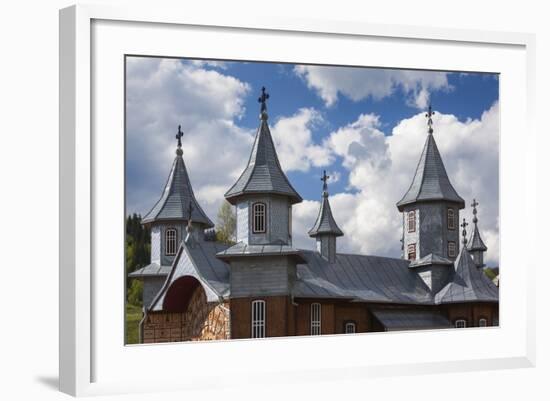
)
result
[(362, 83), (381, 169), (163, 93), (295, 144)]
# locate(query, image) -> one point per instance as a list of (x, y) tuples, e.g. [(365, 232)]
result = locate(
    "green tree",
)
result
[(227, 223), (135, 293)]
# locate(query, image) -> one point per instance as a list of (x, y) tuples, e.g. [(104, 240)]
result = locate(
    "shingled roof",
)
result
[(476, 243), (176, 196), (430, 180), (468, 284), (325, 223), (263, 173)]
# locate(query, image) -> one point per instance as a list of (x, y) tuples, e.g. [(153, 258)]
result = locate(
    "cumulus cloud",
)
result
[(295, 144), (164, 93), (382, 167), (362, 83)]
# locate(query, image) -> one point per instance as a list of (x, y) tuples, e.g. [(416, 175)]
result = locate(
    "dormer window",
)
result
[(170, 241), (451, 225), (258, 217), (411, 221)]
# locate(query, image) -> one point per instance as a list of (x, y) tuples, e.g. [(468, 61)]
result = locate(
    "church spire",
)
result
[(263, 175), (325, 230), (476, 245), (177, 195)]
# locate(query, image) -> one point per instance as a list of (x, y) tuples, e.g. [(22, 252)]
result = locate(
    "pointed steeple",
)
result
[(325, 230), (263, 173), (325, 223), (468, 283), (476, 245), (177, 195), (430, 182)]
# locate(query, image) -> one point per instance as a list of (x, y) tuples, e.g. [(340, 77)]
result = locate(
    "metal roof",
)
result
[(325, 223), (430, 180), (263, 173), (200, 262), (176, 197), (410, 319), (241, 249), (476, 243), (469, 283), (360, 278), (153, 269), (431, 259)]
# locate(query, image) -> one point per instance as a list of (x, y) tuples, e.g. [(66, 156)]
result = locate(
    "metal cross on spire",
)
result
[(464, 225), (179, 135), (474, 205), (262, 99), (429, 115), (325, 178)]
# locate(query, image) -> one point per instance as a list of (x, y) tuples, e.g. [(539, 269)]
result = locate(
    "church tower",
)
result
[(476, 246), (263, 262), (262, 194), (325, 230), (176, 212), (430, 208)]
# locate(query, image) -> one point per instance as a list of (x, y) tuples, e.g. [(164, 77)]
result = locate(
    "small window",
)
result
[(258, 319), (349, 328), (460, 323), (411, 251), (482, 322), (411, 221), (258, 217), (170, 241), (451, 249), (315, 319), (451, 225)]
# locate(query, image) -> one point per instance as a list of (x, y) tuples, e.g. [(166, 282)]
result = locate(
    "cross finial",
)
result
[(429, 115), (474, 205), (464, 225), (179, 135), (325, 178), (262, 99)]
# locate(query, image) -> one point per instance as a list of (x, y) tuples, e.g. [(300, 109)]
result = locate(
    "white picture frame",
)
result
[(92, 363)]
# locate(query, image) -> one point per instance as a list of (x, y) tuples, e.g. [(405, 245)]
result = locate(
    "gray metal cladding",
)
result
[(151, 287), (175, 199), (263, 174), (325, 223), (153, 269), (468, 284), (271, 277), (476, 243), (430, 181), (360, 278), (410, 319)]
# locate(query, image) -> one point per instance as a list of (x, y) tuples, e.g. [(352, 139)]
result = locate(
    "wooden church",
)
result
[(196, 288)]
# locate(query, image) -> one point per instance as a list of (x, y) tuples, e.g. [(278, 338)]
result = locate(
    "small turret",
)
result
[(476, 245), (325, 230)]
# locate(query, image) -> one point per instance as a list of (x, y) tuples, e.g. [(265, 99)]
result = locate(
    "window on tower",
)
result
[(315, 319), (170, 241), (258, 217), (451, 249), (258, 319), (451, 225), (411, 251), (482, 322), (460, 323), (411, 221)]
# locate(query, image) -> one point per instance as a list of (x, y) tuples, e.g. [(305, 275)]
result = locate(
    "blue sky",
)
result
[(365, 126)]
